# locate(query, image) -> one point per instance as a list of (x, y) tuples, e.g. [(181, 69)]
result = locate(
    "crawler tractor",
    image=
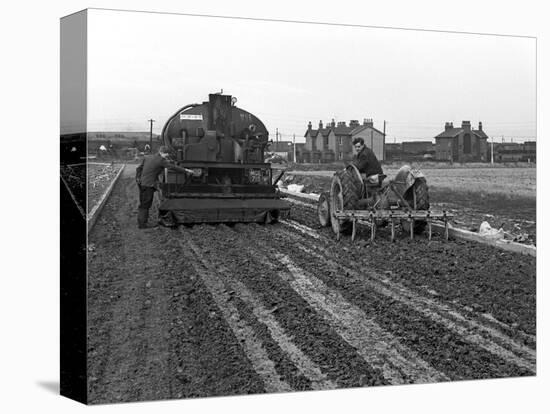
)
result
[(224, 146), (355, 200)]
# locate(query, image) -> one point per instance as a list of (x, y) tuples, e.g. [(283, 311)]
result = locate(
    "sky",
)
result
[(143, 66)]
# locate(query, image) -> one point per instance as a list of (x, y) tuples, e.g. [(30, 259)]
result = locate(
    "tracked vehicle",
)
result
[(224, 145)]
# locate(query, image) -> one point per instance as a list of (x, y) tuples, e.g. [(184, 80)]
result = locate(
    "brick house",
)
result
[(334, 141), (461, 144)]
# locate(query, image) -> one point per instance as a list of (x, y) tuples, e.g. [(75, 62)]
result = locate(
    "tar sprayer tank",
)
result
[(225, 147)]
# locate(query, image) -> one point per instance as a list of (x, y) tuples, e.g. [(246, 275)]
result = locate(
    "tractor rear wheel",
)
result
[(418, 199), (345, 193), (323, 209)]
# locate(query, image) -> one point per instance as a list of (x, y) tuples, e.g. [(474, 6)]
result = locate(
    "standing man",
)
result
[(147, 174), (366, 162)]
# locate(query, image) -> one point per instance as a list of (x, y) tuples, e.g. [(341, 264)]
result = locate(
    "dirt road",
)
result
[(217, 310)]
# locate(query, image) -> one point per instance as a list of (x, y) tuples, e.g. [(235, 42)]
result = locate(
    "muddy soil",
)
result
[(153, 332), (210, 310)]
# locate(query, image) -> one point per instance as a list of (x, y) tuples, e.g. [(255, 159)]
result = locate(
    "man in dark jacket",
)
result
[(365, 160), (147, 174)]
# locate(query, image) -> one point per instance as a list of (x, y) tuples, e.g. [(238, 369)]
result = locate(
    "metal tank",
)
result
[(225, 146)]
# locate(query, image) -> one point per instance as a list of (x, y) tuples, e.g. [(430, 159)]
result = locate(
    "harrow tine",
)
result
[(372, 230), (392, 231), (429, 229), (411, 220), (353, 229)]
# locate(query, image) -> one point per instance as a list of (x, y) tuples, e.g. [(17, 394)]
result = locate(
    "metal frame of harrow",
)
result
[(369, 218)]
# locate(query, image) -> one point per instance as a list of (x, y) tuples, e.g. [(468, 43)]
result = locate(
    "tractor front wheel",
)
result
[(418, 199), (323, 209)]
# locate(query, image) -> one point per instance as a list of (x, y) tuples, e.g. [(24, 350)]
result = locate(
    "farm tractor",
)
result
[(379, 202)]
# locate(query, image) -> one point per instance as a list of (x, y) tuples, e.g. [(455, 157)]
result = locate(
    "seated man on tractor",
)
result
[(373, 176), (366, 162)]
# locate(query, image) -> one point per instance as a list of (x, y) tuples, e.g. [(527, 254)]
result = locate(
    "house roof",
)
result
[(340, 130), (450, 133), (343, 130), (360, 128), (453, 132), (313, 132), (324, 131), (480, 133)]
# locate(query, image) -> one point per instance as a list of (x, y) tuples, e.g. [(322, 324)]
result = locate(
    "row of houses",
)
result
[(333, 142), (463, 143)]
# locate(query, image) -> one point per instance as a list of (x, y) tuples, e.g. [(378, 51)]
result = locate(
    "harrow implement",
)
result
[(354, 200), (373, 218)]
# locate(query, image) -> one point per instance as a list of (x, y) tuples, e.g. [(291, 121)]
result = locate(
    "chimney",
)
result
[(342, 124), (448, 126), (333, 124), (480, 126), (368, 122), (466, 126), (309, 125), (320, 124), (353, 123)]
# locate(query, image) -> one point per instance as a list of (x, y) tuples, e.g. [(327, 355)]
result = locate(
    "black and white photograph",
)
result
[(269, 210), (277, 207)]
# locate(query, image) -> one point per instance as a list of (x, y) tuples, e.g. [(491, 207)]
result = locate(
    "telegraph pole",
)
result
[(151, 135), (371, 140), (384, 143), (492, 157), (277, 136), (294, 145)]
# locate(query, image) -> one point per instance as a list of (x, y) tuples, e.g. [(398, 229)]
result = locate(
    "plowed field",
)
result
[(218, 310)]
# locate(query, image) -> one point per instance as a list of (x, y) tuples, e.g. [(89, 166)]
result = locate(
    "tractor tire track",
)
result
[(304, 364), (251, 345), (489, 327), (469, 329), (335, 359), (480, 277), (380, 349), (306, 231)]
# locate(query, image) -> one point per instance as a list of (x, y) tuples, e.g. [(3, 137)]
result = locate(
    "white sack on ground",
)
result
[(488, 232)]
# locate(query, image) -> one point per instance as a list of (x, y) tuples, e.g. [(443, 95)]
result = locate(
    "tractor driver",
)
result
[(147, 174), (366, 162)]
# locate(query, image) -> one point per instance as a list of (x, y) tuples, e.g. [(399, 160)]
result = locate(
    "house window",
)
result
[(340, 157), (325, 142), (314, 144), (467, 144)]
